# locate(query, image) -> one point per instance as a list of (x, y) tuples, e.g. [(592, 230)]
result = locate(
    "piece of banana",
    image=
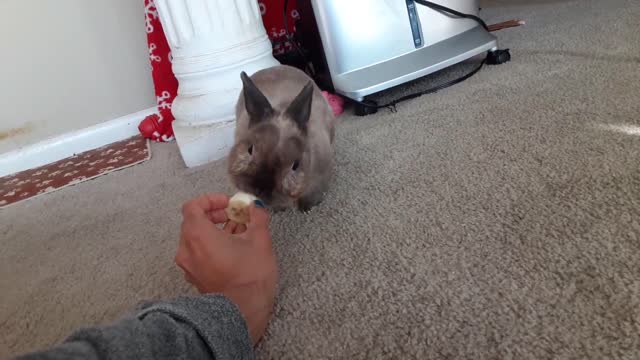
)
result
[(238, 209)]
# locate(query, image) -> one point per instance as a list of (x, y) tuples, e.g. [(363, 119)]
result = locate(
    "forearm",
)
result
[(204, 327)]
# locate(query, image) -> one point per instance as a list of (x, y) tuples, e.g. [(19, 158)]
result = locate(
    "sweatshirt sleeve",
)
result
[(202, 327)]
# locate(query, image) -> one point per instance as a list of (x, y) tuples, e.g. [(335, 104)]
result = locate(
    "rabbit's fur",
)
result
[(283, 151)]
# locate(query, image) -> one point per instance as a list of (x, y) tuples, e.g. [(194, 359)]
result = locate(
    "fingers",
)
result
[(230, 227), (240, 229), (197, 232), (205, 204), (218, 216), (259, 218)]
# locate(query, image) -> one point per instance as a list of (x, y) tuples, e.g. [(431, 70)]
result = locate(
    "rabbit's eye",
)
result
[(295, 165), (250, 150)]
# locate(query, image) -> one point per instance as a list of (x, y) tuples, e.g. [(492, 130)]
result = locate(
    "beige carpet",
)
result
[(498, 219)]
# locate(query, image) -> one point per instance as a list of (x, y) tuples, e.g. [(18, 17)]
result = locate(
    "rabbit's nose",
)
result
[(264, 192)]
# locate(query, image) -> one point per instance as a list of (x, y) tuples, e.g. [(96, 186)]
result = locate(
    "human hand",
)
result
[(236, 261)]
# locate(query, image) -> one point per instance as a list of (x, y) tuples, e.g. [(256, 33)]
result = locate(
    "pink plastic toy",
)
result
[(336, 103)]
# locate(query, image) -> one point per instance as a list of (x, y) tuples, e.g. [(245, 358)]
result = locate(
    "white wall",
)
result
[(69, 64)]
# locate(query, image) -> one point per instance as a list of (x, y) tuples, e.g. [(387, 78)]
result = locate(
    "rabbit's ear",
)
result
[(300, 108), (257, 105)]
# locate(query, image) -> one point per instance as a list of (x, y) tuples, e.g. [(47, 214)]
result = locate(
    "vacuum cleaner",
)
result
[(358, 48)]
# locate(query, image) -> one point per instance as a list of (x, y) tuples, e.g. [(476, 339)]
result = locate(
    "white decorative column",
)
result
[(211, 42)]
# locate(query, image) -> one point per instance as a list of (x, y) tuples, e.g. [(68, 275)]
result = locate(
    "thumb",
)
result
[(258, 217)]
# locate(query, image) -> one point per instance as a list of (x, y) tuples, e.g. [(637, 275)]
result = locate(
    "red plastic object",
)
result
[(336, 103), (150, 127)]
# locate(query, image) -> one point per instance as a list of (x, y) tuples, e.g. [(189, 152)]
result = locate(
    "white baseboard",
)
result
[(69, 144)]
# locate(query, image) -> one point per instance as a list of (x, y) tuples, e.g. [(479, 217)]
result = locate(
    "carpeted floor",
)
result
[(498, 219)]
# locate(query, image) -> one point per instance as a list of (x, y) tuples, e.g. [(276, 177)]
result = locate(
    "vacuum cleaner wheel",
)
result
[(498, 57), (361, 108)]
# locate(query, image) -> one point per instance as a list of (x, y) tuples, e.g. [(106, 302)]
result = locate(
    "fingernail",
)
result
[(259, 203)]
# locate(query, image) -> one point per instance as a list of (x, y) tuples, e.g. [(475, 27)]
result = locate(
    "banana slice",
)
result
[(238, 209)]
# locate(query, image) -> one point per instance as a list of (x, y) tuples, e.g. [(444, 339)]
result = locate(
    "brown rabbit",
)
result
[(283, 151)]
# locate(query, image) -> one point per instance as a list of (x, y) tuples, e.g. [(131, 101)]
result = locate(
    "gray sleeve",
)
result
[(203, 327)]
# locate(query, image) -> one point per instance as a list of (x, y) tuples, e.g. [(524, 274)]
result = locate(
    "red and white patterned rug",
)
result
[(73, 170)]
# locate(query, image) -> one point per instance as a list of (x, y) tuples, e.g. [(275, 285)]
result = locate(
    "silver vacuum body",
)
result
[(372, 45)]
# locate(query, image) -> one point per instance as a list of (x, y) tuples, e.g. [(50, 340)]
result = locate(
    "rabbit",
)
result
[(283, 143)]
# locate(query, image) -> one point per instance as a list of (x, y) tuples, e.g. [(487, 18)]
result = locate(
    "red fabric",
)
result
[(158, 127), (272, 11)]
